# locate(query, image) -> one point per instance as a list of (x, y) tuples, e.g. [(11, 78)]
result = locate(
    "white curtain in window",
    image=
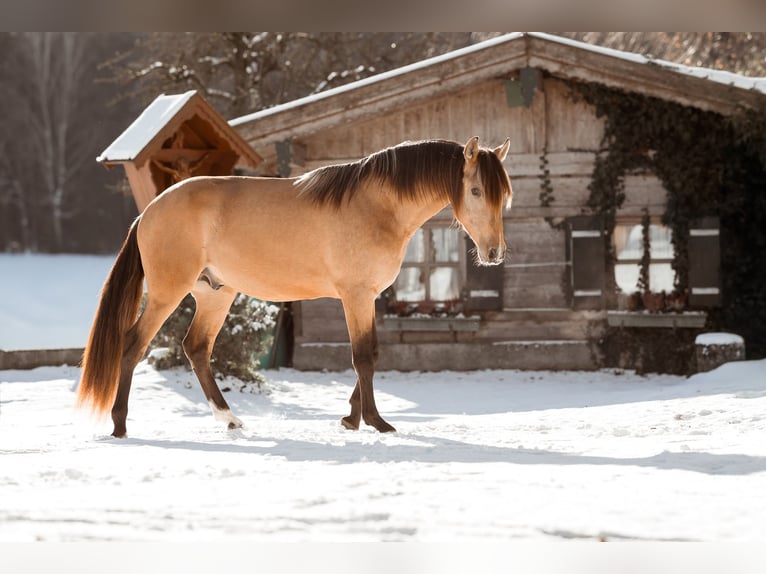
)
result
[(628, 242), (416, 248), (444, 284), (409, 285), (445, 244)]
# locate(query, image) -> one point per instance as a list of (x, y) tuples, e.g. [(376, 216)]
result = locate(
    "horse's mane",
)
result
[(421, 170)]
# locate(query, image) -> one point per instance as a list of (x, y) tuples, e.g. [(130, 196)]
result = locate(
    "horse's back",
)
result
[(257, 233)]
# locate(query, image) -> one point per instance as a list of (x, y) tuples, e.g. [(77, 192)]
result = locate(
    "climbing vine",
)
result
[(646, 253), (709, 164), (546, 187)]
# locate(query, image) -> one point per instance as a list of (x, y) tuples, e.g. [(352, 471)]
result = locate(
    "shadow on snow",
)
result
[(440, 450)]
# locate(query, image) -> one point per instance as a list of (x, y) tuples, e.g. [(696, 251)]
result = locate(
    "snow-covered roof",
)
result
[(719, 76), (137, 136), (561, 56), (374, 79)]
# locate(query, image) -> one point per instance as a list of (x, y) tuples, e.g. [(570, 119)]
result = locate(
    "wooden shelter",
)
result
[(175, 137), (547, 306)]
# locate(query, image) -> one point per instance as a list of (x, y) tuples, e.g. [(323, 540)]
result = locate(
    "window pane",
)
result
[(416, 248), (661, 276), (628, 241), (626, 276), (445, 244), (409, 285), (660, 242), (444, 284)]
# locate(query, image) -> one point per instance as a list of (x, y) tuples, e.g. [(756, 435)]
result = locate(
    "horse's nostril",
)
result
[(492, 254)]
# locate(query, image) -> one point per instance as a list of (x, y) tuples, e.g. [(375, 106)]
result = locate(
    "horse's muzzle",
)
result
[(495, 256)]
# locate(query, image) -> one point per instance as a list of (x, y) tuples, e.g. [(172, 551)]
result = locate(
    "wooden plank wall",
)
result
[(536, 261)]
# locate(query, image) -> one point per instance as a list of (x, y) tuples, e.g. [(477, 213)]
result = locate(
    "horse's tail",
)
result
[(116, 313)]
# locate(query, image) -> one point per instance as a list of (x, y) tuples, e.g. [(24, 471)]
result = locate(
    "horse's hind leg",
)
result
[(137, 339), (212, 308)]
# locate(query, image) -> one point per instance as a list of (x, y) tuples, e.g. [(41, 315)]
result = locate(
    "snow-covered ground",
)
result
[(482, 456)]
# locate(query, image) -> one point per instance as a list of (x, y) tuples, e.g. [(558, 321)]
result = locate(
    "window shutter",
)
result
[(586, 256), (704, 263), (483, 285)]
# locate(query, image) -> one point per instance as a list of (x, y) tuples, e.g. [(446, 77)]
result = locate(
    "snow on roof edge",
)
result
[(375, 78), (718, 76), (137, 136)]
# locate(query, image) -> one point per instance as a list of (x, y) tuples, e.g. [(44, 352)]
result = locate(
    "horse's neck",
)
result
[(413, 218), (404, 217)]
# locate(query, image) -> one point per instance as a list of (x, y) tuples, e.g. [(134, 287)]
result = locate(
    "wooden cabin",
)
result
[(550, 305), (175, 137)]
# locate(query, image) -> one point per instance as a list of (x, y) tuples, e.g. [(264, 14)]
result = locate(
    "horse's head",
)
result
[(486, 190)]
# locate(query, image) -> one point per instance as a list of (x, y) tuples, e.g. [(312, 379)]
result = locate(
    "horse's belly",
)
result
[(276, 282)]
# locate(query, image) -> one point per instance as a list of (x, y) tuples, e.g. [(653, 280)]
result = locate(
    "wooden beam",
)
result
[(141, 185)]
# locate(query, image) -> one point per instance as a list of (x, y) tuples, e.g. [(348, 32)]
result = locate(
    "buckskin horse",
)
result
[(339, 231)]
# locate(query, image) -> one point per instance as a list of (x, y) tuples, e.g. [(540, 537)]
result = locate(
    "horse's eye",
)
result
[(475, 192)]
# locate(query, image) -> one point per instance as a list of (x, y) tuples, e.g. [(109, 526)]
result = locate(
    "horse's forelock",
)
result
[(494, 179)]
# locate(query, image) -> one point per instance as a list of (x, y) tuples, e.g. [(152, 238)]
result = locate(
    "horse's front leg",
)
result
[(360, 318), (352, 421)]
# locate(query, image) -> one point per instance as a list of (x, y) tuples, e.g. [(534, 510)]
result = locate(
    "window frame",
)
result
[(631, 222), (429, 263)]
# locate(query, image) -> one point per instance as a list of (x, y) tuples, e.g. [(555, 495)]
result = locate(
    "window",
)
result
[(432, 267), (628, 242)]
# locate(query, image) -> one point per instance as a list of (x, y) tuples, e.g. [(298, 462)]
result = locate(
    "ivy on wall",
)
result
[(709, 164)]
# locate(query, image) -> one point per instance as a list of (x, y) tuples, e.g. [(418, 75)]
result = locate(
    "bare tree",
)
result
[(16, 230), (43, 150), (246, 71), (57, 64), (55, 119)]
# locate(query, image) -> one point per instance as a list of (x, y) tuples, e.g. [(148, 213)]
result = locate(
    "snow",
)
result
[(718, 339), (479, 456)]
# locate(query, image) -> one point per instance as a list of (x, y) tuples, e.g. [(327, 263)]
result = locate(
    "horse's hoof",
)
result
[(120, 434), (234, 425), (380, 425), (225, 416), (384, 427), (349, 423)]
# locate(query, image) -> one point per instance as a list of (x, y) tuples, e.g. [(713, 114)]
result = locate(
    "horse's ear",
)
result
[(502, 151), (471, 149)]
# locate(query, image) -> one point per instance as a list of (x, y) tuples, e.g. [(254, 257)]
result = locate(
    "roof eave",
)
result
[(655, 78)]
